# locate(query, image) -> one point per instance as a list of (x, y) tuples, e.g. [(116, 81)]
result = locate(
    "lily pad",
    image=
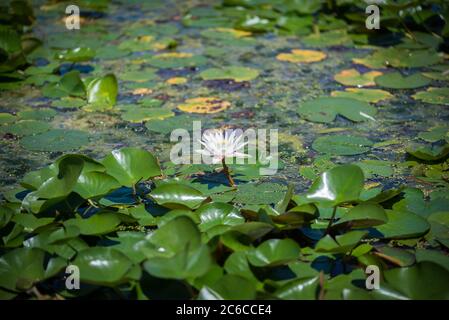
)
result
[(274, 252), (235, 73), (433, 95), (177, 196), (341, 184), (343, 145), (204, 105), (79, 54), (395, 80), (103, 91), (352, 77), (325, 109), (56, 140), (140, 114), (302, 56), (402, 224), (131, 165), (26, 127), (367, 95)]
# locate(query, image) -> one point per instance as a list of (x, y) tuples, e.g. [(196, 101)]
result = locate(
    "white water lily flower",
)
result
[(219, 144)]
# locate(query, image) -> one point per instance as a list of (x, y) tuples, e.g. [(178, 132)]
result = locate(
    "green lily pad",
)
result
[(399, 58), (235, 73), (428, 152), (131, 165), (176, 196), (299, 289), (434, 134), (274, 252), (102, 265), (26, 127), (341, 244), (229, 287), (95, 184), (376, 168), (21, 268), (79, 54), (103, 91), (56, 140), (433, 96), (181, 256), (364, 215), (325, 109), (423, 281), (217, 215), (395, 80), (328, 39), (402, 225), (37, 114), (341, 184), (167, 125), (140, 114), (6, 118), (100, 223), (343, 145), (176, 60)]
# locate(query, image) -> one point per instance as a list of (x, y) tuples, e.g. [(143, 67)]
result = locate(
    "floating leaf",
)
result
[(140, 114), (274, 252), (325, 109), (402, 224), (56, 140), (100, 223), (328, 39), (235, 73), (229, 287), (341, 244), (433, 95), (175, 196), (103, 91), (79, 54), (299, 289), (351, 77), (364, 215), (102, 265), (95, 184), (338, 185), (302, 56), (367, 95), (428, 152), (395, 80), (399, 58), (131, 165), (176, 60), (181, 256), (204, 105), (26, 127), (342, 145)]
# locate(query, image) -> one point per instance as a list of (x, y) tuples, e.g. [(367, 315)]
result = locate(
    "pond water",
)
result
[(136, 70), (269, 101)]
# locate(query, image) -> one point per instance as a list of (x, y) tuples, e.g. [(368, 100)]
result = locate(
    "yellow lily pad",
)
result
[(367, 95), (233, 32), (351, 77), (176, 80), (204, 105), (302, 56)]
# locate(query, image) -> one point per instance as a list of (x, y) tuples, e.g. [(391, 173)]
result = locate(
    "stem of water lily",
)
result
[(227, 174), (331, 220)]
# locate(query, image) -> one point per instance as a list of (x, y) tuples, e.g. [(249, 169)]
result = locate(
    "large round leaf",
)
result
[(131, 165), (21, 268), (229, 287), (56, 140), (274, 252), (403, 224), (396, 80), (341, 244), (175, 196), (102, 265), (364, 215), (99, 223), (94, 184), (299, 289), (338, 185), (178, 252), (103, 91), (343, 145), (425, 280), (325, 109), (218, 214)]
